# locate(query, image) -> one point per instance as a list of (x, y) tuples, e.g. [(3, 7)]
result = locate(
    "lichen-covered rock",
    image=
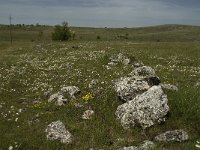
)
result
[(144, 71), (57, 131), (58, 98), (129, 87), (173, 136), (88, 114), (145, 110), (169, 87), (147, 145), (72, 91)]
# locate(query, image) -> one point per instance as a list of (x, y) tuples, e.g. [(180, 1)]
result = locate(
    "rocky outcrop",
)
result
[(137, 82), (57, 131), (172, 136), (144, 110)]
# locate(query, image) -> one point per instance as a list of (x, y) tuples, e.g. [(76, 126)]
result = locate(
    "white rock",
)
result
[(175, 135), (144, 71), (169, 87), (197, 146), (129, 87), (57, 131), (88, 114), (147, 145), (58, 98), (10, 148), (145, 110)]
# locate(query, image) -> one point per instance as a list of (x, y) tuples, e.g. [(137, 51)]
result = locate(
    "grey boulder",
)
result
[(57, 131), (144, 110), (129, 87)]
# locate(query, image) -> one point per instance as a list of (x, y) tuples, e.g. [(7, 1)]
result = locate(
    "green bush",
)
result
[(61, 33)]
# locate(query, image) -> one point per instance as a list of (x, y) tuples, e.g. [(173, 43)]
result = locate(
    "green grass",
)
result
[(29, 67)]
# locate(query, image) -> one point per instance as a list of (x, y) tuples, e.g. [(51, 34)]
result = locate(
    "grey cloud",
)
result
[(114, 13)]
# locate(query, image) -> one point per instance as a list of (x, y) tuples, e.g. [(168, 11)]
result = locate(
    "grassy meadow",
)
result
[(32, 64)]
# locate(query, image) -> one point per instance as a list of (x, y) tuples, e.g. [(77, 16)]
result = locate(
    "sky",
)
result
[(101, 13)]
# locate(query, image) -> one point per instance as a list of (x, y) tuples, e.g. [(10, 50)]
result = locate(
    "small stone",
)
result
[(93, 83), (58, 98), (173, 136), (169, 87), (10, 148), (197, 84), (57, 131), (88, 114), (71, 90), (197, 146)]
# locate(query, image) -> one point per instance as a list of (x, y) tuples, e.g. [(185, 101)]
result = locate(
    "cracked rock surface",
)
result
[(144, 110), (57, 131), (173, 136)]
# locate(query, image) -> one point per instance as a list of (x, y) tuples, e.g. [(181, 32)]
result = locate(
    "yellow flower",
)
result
[(87, 97)]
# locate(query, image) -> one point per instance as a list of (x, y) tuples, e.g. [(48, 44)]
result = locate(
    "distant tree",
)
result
[(61, 33)]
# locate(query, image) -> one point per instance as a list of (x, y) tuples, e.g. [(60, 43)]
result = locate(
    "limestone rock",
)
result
[(120, 58), (88, 114), (147, 145), (145, 110), (169, 87), (71, 90), (57, 131), (173, 136), (129, 87), (58, 98), (144, 71)]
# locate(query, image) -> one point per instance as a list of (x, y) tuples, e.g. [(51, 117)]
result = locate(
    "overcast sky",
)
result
[(101, 13)]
